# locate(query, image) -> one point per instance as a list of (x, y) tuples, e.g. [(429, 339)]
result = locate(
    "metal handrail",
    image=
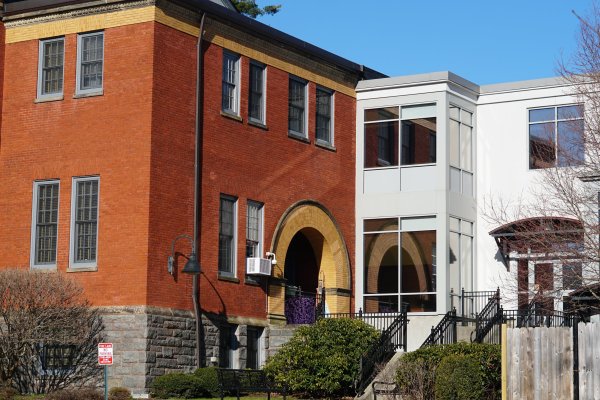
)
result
[(444, 332), (391, 339), (489, 316)]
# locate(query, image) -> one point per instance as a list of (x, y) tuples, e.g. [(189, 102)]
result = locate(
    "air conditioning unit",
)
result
[(258, 266)]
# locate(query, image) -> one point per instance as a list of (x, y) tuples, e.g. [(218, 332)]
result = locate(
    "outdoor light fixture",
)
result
[(192, 266)]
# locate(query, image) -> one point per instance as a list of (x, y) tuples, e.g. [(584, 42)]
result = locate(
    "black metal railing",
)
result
[(533, 318), (444, 332), (392, 339), (470, 303), (380, 321), (488, 318)]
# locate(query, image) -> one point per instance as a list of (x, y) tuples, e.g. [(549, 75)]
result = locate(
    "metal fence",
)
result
[(380, 321)]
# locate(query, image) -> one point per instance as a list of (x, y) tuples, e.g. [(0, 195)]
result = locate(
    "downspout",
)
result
[(197, 191)]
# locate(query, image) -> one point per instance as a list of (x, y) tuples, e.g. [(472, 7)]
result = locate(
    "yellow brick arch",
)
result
[(318, 225)]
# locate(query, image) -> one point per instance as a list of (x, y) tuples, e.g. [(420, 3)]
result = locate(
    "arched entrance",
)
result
[(311, 254)]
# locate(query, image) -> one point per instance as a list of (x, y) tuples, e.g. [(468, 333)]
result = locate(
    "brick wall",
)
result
[(138, 137), (104, 135)]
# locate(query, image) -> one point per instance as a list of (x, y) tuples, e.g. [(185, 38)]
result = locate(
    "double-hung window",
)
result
[(84, 222), (324, 116), (44, 224), (90, 63), (254, 218), (51, 68), (556, 136), (256, 99), (227, 235), (297, 107), (230, 99), (461, 151)]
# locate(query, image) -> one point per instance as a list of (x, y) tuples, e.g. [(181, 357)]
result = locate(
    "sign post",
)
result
[(105, 358)]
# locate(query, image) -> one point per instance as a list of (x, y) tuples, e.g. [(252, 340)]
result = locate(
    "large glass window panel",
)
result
[(467, 183), (570, 112), (570, 142), (466, 117), (420, 302), (454, 143), (382, 114), (382, 224), (454, 113), (541, 115), (381, 146), (572, 275), (417, 262), (381, 262), (418, 141), (380, 304), (454, 261), (455, 180), (466, 147), (542, 147), (466, 262)]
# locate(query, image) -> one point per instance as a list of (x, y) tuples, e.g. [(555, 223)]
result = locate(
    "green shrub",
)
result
[(459, 377), (425, 361), (321, 360), (210, 381), (119, 393), (185, 386), (75, 394)]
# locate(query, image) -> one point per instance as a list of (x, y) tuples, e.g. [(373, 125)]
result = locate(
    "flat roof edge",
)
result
[(419, 79), (524, 85)]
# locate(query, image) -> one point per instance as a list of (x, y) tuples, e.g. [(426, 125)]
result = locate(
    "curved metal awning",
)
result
[(537, 234)]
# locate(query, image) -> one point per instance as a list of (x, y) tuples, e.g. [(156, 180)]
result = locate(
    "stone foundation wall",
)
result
[(150, 342)]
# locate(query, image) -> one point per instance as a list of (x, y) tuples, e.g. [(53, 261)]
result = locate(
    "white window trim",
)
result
[(262, 121), (32, 255), (331, 118), (48, 96), (82, 266), (304, 134), (78, 90), (261, 224), (235, 200), (237, 78)]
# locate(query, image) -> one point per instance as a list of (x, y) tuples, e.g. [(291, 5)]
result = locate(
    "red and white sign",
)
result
[(105, 353)]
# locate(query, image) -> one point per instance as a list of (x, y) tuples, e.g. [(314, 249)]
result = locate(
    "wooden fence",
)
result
[(538, 363), (589, 360)]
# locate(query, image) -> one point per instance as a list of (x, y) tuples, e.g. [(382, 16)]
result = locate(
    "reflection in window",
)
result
[(572, 275), (556, 136), (399, 267), (460, 255), (418, 141), (414, 144)]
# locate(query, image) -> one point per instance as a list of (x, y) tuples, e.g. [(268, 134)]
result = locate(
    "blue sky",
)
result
[(484, 41)]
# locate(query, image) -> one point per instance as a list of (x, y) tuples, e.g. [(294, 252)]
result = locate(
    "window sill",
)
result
[(252, 282), (43, 267), (298, 136), (91, 94), (231, 116), (47, 99), (228, 278), (83, 269), (325, 145), (258, 125)]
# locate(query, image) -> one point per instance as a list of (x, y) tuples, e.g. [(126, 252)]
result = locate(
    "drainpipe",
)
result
[(197, 191)]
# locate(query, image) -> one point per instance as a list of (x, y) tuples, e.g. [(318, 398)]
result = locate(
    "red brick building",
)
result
[(99, 120)]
